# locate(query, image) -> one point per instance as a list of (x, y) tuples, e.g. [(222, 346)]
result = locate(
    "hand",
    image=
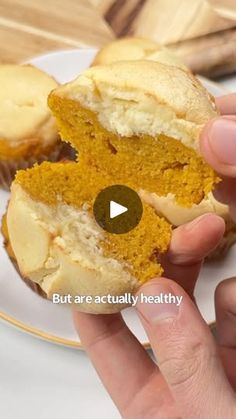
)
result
[(195, 378), (138, 387), (218, 147)]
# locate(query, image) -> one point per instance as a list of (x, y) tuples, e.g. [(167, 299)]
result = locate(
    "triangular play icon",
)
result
[(116, 209)]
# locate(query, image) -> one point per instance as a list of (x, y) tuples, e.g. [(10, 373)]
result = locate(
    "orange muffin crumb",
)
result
[(157, 164), (70, 183)]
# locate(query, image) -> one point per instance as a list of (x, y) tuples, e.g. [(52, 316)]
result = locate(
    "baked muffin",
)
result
[(133, 123), (124, 49), (72, 254), (140, 122), (28, 132)]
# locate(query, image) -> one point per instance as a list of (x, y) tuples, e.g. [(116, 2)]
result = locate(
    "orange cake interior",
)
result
[(157, 164), (78, 185)]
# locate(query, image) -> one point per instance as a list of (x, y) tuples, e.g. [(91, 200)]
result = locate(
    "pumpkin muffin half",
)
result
[(132, 48), (58, 244), (139, 122), (132, 123), (28, 132)]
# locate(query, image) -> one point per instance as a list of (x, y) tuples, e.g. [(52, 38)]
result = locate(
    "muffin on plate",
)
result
[(129, 48), (134, 123), (28, 132)]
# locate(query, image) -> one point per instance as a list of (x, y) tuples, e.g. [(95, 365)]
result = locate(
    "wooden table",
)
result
[(31, 27)]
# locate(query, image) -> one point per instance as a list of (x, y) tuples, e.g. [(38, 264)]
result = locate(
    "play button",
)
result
[(118, 209)]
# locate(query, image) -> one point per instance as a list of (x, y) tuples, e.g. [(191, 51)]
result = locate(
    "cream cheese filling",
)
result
[(63, 233)]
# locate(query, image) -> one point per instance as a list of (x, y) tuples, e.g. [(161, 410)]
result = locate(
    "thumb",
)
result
[(218, 145), (185, 351)]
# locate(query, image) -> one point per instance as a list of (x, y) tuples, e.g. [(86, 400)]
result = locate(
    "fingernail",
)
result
[(157, 302), (222, 140)]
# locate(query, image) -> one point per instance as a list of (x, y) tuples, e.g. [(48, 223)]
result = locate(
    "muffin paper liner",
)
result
[(7, 246), (8, 168), (33, 286)]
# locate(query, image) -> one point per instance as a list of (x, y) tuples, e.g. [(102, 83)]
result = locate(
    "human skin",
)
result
[(196, 376)]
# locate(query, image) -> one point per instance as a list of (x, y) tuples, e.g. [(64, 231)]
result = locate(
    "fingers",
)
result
[(190, 244), (122, 363), (227, 104), (225, 192), (218, 145), (225, 304), (186, 354)]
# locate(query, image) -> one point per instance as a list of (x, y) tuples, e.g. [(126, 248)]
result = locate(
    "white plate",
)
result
[(23, 308)]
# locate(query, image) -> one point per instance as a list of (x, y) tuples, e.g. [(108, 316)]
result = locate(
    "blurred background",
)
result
[(202, 32)]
